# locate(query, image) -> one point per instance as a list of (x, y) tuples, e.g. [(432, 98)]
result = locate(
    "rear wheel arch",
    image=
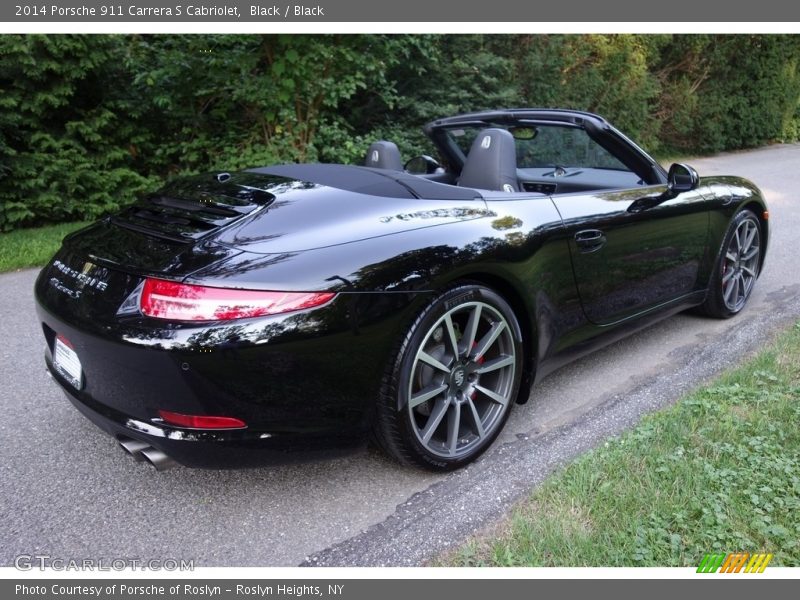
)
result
[(473, 400)]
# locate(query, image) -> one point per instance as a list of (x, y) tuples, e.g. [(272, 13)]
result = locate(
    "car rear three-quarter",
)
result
[(199, 391), (232, 320), (166, 332)]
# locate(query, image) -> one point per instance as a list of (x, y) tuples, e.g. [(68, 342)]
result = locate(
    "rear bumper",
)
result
[(303, 394), (213, 449)]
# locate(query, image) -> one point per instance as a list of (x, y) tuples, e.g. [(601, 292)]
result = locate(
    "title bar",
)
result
[(408, 11)]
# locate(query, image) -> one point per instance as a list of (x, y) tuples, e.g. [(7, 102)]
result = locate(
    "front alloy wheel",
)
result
[(740, 264), (736, 270), (457, 376)]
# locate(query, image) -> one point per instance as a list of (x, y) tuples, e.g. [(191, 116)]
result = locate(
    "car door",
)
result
[(630, 252)]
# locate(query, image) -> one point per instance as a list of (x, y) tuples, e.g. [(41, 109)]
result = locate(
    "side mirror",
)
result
[(422, 165), (681, 178)]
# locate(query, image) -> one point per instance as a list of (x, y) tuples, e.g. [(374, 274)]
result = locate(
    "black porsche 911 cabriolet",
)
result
[(234, 319)]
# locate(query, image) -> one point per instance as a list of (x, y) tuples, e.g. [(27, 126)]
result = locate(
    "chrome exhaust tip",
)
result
[(144, 452), (157, 458), (134, 448)]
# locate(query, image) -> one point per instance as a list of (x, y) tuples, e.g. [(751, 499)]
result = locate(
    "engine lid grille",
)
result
[(192, 208)]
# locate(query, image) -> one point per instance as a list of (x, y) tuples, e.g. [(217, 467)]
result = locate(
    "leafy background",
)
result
[(89, 122)]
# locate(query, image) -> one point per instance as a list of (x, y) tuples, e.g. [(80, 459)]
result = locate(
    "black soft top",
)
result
[(375, 182)]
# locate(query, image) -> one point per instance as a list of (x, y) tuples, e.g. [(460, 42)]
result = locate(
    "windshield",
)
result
[(545, 146)]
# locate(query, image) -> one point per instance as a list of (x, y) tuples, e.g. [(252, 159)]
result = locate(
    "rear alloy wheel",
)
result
[(455, 379), (737, 267)]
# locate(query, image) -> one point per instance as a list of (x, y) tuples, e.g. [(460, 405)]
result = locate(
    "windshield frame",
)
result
[(597, 128), (463, 148)]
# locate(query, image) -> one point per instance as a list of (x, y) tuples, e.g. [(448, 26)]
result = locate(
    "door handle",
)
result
[(590, 240)]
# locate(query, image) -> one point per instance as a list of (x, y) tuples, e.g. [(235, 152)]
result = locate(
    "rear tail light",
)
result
[(200, 421), (163, 299)]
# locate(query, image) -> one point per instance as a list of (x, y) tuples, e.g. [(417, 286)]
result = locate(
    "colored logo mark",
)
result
[(734, 563)]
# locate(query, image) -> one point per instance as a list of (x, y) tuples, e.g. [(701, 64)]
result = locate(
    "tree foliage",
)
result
[(89, 122)]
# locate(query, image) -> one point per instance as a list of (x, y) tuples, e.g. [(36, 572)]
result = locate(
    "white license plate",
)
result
[(66, 362)]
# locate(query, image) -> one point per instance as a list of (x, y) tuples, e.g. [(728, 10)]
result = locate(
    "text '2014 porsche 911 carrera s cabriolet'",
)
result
[(233, 319)]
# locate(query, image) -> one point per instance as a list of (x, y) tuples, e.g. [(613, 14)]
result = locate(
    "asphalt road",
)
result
[(67, 491)]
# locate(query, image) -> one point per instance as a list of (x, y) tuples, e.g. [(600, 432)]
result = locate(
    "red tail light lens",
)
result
[(201, 421), (183, 302)]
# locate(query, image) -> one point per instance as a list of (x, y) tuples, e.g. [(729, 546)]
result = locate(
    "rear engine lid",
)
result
[(192, 208), (99, 267), (167, 234)]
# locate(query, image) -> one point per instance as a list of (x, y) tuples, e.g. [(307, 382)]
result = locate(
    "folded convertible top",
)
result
[(376, 182)]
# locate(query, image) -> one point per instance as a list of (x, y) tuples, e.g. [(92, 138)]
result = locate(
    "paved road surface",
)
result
[(67, 491)]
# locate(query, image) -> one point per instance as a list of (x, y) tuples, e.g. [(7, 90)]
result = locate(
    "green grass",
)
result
[(719, 471), (32, 247)]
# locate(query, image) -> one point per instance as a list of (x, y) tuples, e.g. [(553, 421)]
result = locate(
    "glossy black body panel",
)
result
[(309, 379), (644, 259)]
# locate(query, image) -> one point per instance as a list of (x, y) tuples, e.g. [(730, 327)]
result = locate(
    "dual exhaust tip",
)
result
[(144, 452)]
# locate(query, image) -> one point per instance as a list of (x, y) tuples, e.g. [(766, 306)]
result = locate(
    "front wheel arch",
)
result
[(732, 258), (759, 210)]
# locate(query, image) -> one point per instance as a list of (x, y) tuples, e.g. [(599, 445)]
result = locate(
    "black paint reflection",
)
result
[(649, 257)]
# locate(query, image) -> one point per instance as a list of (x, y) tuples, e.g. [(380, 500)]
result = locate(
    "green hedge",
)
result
[(89, 122)]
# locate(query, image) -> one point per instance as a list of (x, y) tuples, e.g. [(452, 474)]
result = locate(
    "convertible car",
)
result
[(235, 319)]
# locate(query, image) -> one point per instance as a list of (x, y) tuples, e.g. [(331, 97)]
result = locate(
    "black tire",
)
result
[(736, 269), (462, 356)]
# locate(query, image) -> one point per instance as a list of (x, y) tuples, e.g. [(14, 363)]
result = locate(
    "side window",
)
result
[(564, 147)]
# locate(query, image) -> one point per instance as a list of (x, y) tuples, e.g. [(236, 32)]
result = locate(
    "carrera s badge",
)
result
[(89, 276)]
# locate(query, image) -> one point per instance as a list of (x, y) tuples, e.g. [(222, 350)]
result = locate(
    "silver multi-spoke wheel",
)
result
[(737, 266), (740, 264), (462, 380), (453, 380)]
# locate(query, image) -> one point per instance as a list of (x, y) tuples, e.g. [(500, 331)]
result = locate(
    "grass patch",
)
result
[(719, 471), (25, 248)]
